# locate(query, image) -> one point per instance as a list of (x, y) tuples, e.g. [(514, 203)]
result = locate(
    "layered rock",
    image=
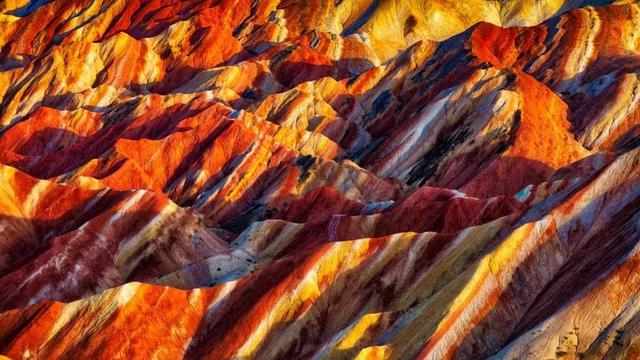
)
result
[(319, 179)]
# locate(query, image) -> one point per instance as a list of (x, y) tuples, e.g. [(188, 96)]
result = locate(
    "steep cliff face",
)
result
[(278, 179)]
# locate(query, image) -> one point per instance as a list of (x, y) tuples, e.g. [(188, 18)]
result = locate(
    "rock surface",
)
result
[(355, 179)]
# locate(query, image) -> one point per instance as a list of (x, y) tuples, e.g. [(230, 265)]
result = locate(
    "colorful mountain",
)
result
[(348, 179)]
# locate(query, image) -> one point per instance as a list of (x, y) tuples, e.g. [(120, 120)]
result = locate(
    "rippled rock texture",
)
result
[(351, 179)]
